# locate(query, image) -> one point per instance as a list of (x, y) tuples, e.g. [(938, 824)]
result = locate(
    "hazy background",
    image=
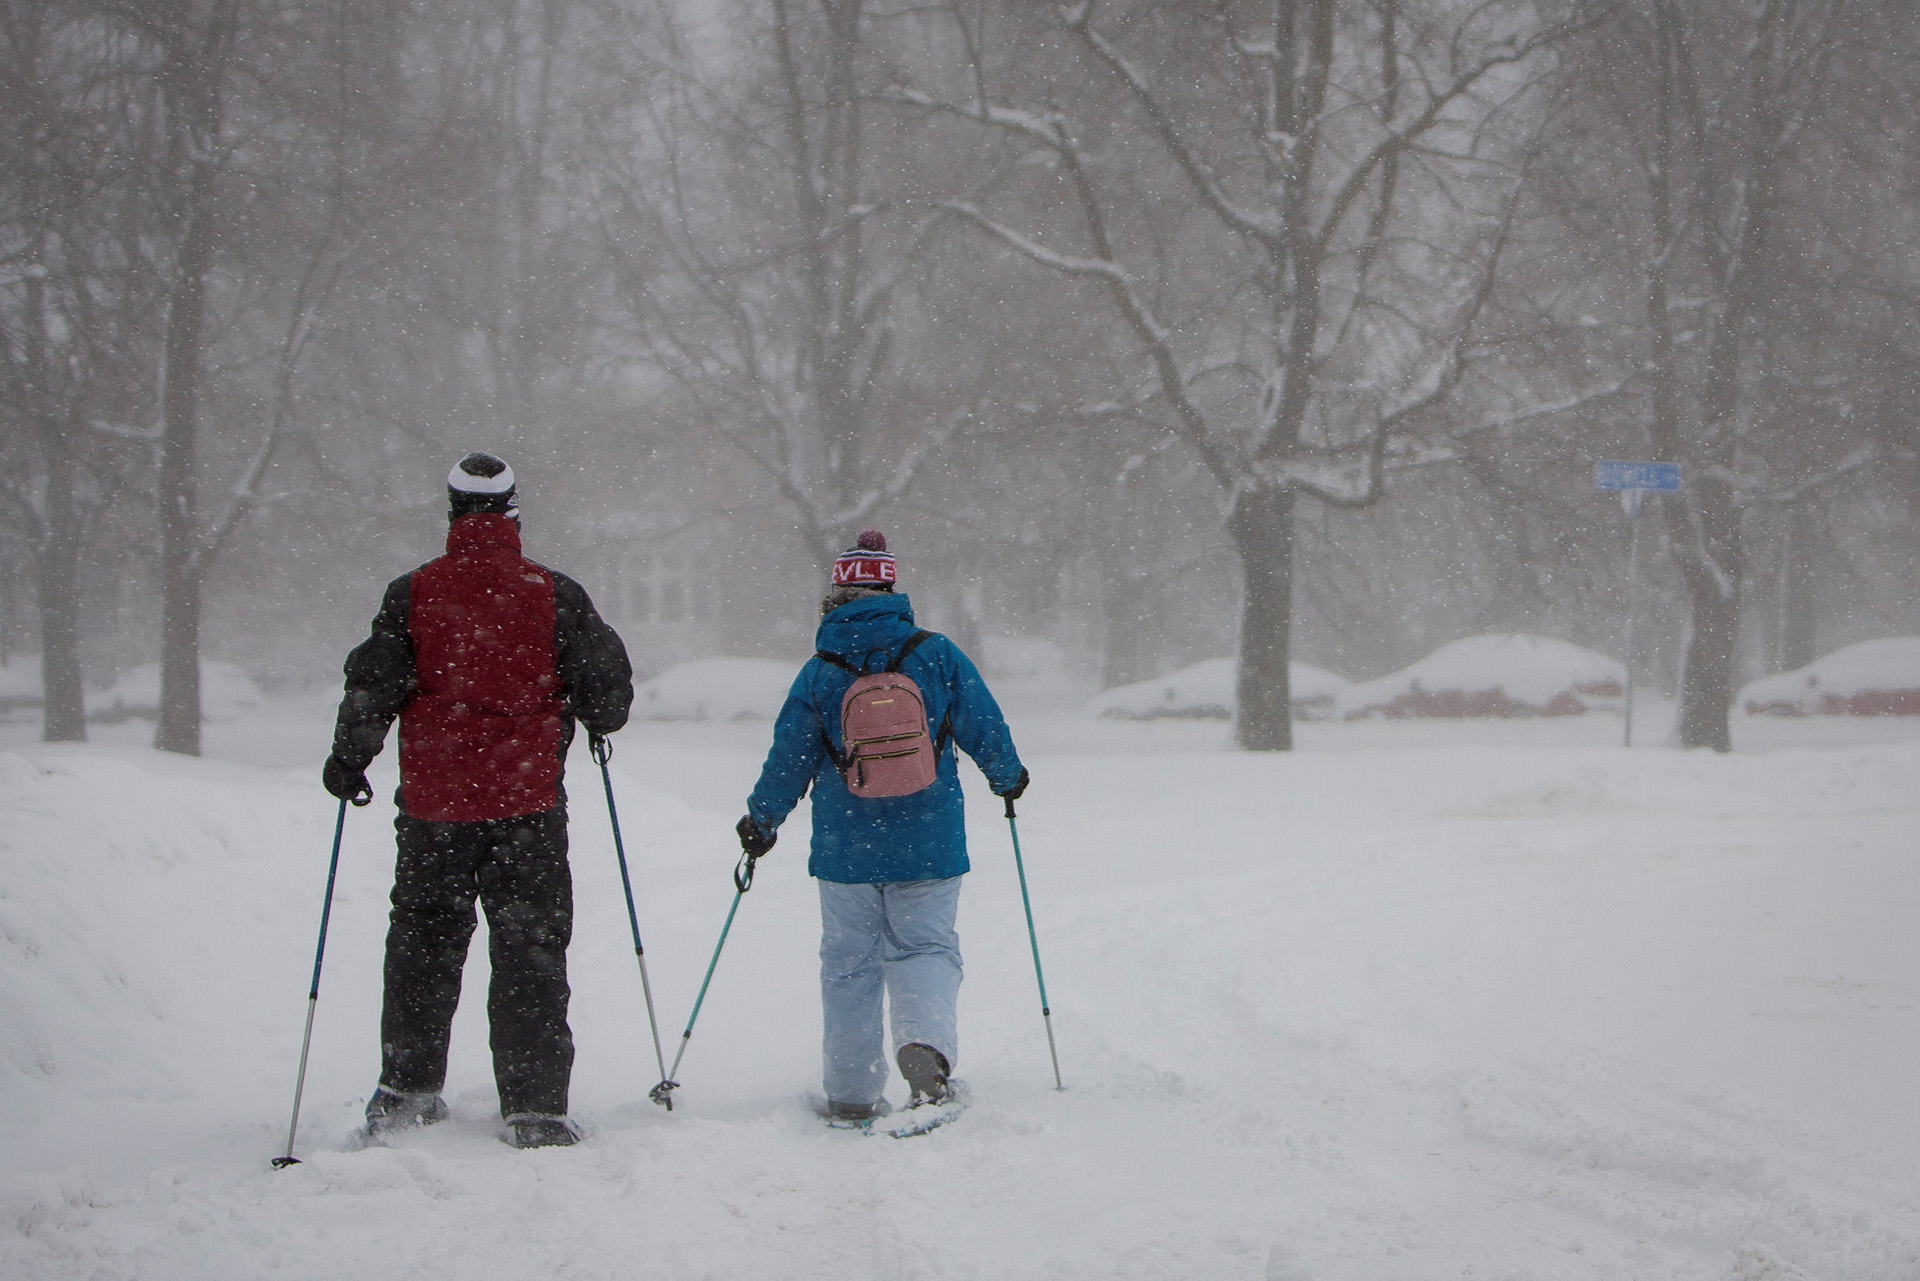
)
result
[(1026, 287)]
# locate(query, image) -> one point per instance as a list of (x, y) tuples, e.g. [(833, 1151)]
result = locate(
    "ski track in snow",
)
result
[(1403, 1009)]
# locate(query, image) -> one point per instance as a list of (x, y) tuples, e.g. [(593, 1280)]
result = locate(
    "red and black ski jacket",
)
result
[(487, 659)]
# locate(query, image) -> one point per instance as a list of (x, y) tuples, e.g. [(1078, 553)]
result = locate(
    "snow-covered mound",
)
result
[(716, 689), (1206, 691), (20, 682), (1494, 676), (226, 693), (1873, 678)]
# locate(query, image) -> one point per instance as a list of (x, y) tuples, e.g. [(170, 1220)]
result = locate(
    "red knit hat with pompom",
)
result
[(867, 563)]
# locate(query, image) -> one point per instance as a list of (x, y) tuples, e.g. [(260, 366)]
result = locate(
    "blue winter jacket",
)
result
[(859, 840)]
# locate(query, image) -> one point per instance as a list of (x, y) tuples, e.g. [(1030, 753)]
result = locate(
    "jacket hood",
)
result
[(870, 628)]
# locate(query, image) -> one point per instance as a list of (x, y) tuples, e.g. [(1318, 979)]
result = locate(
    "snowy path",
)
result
[(1505, 1010)]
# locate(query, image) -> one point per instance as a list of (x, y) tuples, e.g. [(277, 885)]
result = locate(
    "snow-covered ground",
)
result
[(1419, 1000)]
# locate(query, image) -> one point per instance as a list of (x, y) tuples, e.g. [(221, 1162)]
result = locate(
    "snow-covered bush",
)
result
[(1494, 676), (1206, 691), (225, 693), (716, 689), (1873, 678)]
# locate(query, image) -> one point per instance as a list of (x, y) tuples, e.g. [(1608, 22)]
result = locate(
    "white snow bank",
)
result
[(226, 693), (1495, 675), (1206, 691), (1873, 678), (716, 689), (126, 916)]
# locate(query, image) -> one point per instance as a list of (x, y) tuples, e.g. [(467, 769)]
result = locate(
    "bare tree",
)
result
[(1695, 125), (766, 252), (1342, 178), (77, 303)]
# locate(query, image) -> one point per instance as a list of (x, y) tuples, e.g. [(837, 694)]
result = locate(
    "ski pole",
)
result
[(603, 752), (313, 992), (742, 882), (1046, 1014)]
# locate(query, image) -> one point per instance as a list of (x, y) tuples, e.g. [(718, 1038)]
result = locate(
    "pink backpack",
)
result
[(883, 721)]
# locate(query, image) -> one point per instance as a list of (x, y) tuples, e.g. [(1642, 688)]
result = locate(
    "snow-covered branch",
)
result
[(121, 431), (1263, 227), (904, 472), (1067, 264)]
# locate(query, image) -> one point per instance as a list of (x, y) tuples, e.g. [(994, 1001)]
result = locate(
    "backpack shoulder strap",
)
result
[(944, 735), (913, 643), (826, 741)]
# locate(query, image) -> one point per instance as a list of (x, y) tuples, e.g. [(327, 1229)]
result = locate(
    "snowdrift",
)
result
[(1493, 676), (1873, 678), (716, 689), (1205, 691)]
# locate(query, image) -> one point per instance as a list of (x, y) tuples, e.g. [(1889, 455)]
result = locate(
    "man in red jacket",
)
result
[(487, 659)]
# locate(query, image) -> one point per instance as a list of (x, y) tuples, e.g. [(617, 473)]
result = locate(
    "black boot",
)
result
[(925, 1069), (531, 1130), (390, 1110)]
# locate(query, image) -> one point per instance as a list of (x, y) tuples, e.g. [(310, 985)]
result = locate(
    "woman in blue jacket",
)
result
[(888, 868)]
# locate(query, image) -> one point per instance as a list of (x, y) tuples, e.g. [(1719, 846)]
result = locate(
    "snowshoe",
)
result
[(530, 1130), (851, 1116), (390, 1111), (925, 1070), (926, 1114)]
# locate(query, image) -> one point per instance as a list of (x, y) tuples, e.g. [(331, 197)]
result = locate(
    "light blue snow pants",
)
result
[(898, 938)]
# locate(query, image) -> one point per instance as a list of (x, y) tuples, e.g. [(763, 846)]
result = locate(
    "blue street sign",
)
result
[(1662, 478)]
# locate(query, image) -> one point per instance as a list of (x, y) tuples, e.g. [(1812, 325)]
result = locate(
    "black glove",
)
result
[(755, 840), (345, 783), (1018, 789)]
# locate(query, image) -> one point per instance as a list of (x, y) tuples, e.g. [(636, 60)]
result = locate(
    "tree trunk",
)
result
[(1711, 567), (1123, 662), (1262, 530), (179, 726), (1799, 590), (63, 707), (63, 704), (192, 84)]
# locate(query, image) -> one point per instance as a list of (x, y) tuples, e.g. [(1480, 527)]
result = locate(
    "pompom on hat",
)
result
[(867, 563), (481, 483)]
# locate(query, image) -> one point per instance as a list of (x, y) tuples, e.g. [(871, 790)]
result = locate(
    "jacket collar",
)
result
[(863, 628), (483, 532)]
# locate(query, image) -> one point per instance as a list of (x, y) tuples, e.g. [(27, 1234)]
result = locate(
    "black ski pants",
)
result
[(517, 868)]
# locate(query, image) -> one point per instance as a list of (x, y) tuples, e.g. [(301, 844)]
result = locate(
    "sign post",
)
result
[(1634, 481)]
